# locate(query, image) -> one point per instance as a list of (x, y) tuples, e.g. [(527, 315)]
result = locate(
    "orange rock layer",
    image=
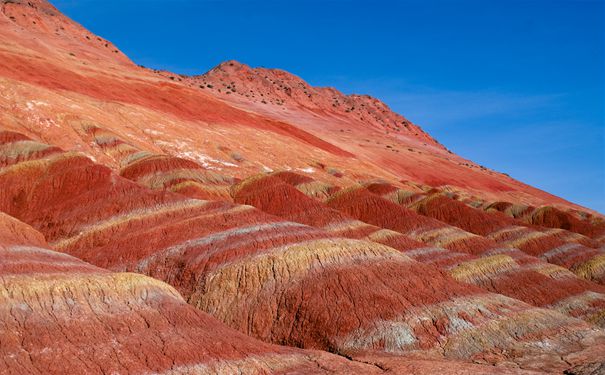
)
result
[(243, 221)]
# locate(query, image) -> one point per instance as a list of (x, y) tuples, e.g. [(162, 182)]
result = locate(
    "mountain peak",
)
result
[(39, 23), (40, 5), (260, 86), (233, 64)]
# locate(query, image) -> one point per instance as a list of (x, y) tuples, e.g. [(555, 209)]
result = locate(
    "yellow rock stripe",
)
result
[(139, 214), (244, 279), (482, 268)]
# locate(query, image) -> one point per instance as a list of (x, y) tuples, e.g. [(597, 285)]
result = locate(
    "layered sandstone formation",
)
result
[(243, 221), (61, 315)]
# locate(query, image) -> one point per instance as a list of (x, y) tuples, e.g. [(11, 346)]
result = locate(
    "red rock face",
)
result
[(552, 217), (277, 87), (559, 246), (500, 270), (244, 221), (221, 257), (61, 315)]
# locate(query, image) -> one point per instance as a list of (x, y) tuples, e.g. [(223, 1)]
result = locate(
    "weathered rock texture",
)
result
[(243, 221), (504, 270), (60, 315)]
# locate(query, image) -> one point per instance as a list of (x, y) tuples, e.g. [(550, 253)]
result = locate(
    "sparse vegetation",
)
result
[(237, 157), (334, 172)]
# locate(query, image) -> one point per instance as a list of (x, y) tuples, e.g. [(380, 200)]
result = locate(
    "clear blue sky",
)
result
[(518, 86)]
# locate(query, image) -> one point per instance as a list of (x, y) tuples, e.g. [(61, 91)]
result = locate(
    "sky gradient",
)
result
[(518, 86)]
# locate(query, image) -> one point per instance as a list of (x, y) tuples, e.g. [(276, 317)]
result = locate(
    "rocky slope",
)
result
[(277, 87), (62, 315), (244, 221)]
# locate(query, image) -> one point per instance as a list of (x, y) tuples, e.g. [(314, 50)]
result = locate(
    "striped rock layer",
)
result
[(581, 254), (281, 281), (61, 315), (244, 221), (500, 269)]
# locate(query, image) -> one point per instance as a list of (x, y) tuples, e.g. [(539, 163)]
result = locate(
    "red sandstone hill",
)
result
[(277, 87), (243, 221)]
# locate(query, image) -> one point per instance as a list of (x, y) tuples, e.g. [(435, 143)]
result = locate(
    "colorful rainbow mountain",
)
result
[(243, 221)]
